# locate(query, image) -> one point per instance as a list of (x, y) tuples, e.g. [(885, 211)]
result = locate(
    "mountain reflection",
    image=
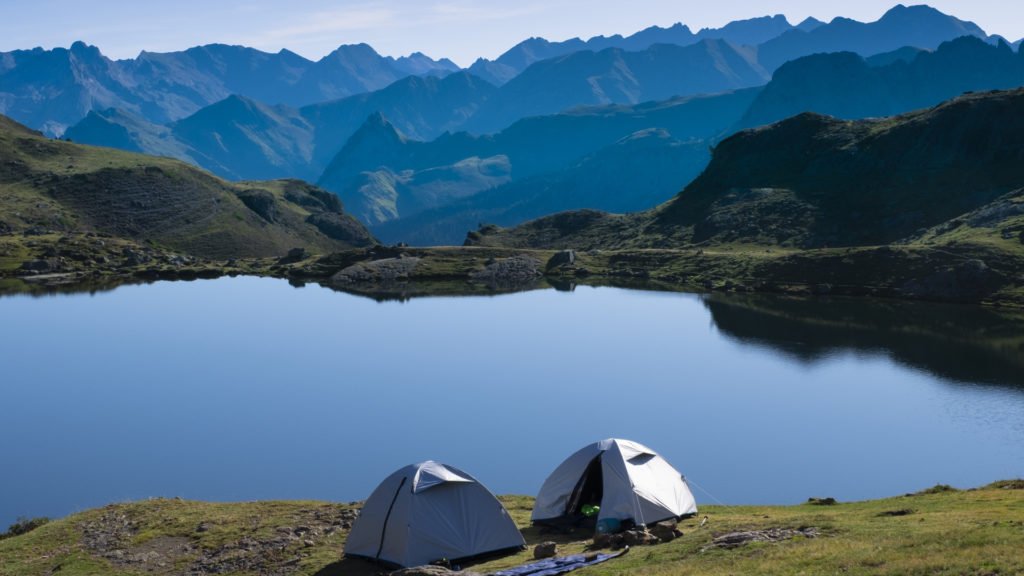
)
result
[(965, 344)]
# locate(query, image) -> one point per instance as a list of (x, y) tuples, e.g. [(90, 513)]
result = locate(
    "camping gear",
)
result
[(556, 566), (629, 481), (430, 512)]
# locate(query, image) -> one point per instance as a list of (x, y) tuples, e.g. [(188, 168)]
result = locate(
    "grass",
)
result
[(935, 532)]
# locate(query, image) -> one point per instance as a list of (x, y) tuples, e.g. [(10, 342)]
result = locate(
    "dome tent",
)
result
[(629, 481), (428, 512)]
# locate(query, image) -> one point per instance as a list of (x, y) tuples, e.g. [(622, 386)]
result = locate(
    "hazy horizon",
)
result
[(455, 29)]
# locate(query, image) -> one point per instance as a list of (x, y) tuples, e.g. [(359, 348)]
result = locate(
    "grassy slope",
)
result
[(72, 188), (945, 532)]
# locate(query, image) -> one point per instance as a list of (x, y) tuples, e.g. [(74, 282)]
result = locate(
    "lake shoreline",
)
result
[(937, 530), (87, 262)]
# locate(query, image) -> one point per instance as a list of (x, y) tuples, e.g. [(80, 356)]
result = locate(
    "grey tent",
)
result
[(629, 481), (428, 512)]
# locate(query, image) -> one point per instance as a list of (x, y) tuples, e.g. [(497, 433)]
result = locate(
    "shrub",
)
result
[(23, 526)]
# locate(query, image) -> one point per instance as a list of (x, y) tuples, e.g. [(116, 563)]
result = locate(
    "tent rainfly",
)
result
[(629, 481), (428, 512)]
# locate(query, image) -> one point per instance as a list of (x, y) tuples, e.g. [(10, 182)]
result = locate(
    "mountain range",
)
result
[(250, 140), (421, 151), (53, 89)]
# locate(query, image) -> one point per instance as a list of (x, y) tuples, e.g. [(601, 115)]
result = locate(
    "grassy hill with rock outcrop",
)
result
[(929, 203), (55, 193), (937, 531)]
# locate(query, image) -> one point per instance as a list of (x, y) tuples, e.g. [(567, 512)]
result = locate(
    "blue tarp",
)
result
[(556, 566)]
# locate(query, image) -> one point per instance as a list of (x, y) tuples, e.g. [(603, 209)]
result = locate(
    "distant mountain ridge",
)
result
[(741, 32), (546, 151), (53, 89)]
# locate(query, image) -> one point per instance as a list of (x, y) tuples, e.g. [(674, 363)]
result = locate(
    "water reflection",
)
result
[(970, 344)]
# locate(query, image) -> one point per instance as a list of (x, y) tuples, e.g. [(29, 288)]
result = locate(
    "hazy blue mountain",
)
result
[(53, 89), (635, 173), (384, 195), (847, 86), (372, 172), (419, 64), (809, 23), (246, 140), (422, 108), (240, 138), (44, 89), (523, 55), (617, 76), (918, 26), (116, 128), (905, 54)]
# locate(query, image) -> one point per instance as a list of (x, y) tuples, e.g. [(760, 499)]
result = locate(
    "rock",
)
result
[(341, 227), (261, 202), (736, 539), (638, 538), (294, 255), (606, 540), (5, 229), (135, 257), (563, 258), (203, 527), (545, 550), (822, 501), (515, 271), (666, 531), (37, 266)]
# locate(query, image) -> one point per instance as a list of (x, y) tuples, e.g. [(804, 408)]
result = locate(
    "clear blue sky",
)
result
[(459, 29)]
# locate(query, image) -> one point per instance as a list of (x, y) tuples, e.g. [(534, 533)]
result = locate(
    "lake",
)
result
[(249, 388)]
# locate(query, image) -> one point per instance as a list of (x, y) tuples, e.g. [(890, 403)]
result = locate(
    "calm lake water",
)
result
[(245, 388)]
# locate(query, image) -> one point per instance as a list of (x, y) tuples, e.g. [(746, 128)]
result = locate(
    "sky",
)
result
[(459, 29)]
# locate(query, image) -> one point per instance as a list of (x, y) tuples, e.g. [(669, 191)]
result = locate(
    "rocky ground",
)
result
[(117, 535)]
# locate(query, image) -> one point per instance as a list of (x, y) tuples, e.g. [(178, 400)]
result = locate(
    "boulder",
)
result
[(666, 531), (563, 258), (262, 203), (294, 255), (545, 550), (638, 538), (37, 266)]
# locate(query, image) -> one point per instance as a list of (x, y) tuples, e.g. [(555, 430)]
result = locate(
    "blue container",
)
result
[(608, 525)]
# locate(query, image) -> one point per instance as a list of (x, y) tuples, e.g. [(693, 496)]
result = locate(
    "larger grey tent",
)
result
[(629, 481), (428, 512)]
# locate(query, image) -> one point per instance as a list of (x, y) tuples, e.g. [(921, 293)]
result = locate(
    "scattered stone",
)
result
[(377, 271), (666, 531), (133, 257), (900, 512), (515, 271), (545, 550), (737, 539), (294, 255), (563, 258), (639, 538), (37, 266)]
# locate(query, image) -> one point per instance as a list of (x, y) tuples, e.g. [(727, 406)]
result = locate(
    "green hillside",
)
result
[(939, 531), (53, 187)]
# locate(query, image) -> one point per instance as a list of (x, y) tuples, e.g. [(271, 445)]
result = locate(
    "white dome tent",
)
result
[(428, 512), (629, 481)]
